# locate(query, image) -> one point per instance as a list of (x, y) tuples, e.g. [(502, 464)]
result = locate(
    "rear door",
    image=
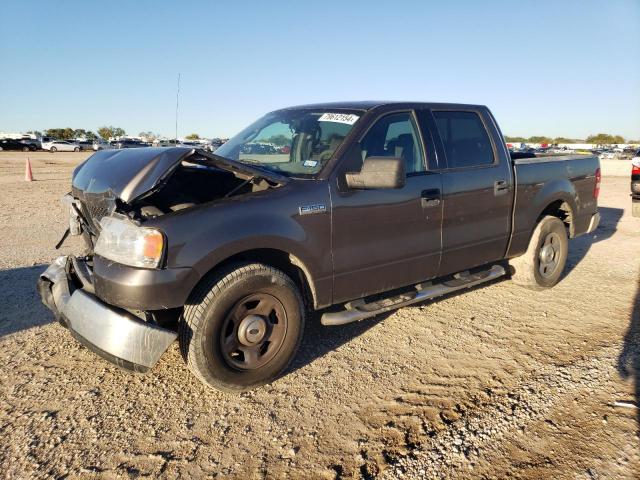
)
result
[(477, 188), (386, 238)]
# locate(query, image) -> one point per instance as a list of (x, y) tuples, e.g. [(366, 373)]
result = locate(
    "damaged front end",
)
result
[(122, 298), (66, 288)]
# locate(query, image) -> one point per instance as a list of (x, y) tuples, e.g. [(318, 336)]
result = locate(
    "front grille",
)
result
[(96, 210), (94, 206)]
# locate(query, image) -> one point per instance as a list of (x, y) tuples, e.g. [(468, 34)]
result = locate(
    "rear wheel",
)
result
[(53, 149), (77, 149), (543, 263), (25, 149), (242, 327)]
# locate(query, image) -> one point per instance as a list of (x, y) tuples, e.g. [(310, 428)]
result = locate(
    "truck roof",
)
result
[(371, 104)]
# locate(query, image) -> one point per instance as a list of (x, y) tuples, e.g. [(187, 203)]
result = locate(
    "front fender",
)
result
[(205, 236)]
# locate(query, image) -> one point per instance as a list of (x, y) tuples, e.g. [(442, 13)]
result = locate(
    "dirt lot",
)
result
[(496, 382)]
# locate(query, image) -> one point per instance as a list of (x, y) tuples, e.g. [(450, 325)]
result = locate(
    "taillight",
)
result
[(635, 166), (596, 188)]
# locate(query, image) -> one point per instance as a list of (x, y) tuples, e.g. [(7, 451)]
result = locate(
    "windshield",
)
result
[(290, 142)]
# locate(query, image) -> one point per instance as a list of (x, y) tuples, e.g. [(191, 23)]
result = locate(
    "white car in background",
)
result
[(61, 146), (607, 155), (102, 145), (563, 150)]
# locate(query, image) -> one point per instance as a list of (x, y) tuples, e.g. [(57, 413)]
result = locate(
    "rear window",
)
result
[(465, 139)]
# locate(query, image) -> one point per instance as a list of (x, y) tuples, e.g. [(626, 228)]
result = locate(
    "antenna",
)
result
[(177, 97)]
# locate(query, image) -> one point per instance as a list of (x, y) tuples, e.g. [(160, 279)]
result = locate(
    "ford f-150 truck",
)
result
[(351, 209)]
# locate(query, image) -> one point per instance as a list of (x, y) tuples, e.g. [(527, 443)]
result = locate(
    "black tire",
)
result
[(208, 332), (76, 149), (543, 264), (53, 149), (25, 149)]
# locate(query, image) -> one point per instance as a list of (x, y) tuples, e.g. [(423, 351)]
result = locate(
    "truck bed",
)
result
[(570, 179)]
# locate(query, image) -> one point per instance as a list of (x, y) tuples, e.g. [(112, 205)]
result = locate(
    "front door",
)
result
[(387, 238)]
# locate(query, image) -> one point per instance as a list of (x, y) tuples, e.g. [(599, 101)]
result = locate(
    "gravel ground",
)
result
[(492, 383)]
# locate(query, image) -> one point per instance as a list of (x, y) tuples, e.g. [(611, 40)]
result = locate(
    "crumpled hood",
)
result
[(129, 173)]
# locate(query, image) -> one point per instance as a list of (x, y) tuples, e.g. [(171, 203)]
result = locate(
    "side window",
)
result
[(465, 140), (395, 135)]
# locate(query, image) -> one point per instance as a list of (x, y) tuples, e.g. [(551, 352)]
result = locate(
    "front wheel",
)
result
[(542, 265), (25, 149), (53, 149), (242, 327), (76, 149)]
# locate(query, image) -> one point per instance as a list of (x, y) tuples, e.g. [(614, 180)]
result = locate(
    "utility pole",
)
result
[(177, 98)]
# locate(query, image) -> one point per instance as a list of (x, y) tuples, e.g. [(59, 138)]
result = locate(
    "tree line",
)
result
[(104, 132), (598, 139)]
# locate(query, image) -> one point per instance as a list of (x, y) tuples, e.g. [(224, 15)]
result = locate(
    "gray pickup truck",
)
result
[(351, 209)]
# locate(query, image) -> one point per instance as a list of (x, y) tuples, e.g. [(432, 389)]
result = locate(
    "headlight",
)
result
[(126, 243)]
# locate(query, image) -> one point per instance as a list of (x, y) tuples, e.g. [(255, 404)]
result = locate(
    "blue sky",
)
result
[(568, 68)]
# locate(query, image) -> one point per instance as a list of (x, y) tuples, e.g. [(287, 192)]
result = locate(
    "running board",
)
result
[(359, 309)]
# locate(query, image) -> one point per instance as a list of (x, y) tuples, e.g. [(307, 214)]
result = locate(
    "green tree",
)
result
[(82, 133), (279, 140), (37, 133), (514, 139), (565, 140), (193, 136), (61, 133), (604, 139), (148, 136), (111, 131), (539, 139)]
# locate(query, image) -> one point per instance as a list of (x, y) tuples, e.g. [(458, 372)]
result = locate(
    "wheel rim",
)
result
[(253, 331), (549, 255)]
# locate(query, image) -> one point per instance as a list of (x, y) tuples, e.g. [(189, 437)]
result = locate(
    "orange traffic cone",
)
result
[(28, 174)]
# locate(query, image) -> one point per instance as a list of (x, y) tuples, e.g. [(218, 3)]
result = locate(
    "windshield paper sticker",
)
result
[(310, 163), (347, 118)]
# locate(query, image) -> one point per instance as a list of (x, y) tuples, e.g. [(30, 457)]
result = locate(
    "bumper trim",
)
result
[(110, 332), (594, 222), (115, 331)]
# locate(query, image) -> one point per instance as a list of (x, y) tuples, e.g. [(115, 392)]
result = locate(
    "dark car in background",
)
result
[(85, 144), (629, 152), (12, 144), (128, 144), (635, 184)]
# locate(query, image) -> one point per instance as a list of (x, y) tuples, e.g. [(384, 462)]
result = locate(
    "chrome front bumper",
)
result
[(112, 333)]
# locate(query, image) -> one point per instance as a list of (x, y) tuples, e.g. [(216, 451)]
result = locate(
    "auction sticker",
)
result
[(347, 118)]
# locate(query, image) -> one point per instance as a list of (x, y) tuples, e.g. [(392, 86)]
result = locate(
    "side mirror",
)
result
[(378, 172)]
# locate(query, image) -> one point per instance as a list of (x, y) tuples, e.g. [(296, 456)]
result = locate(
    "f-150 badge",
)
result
[(310, 209)]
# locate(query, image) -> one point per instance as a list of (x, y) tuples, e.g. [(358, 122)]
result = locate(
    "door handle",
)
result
[(430, 198), (500, 187)]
